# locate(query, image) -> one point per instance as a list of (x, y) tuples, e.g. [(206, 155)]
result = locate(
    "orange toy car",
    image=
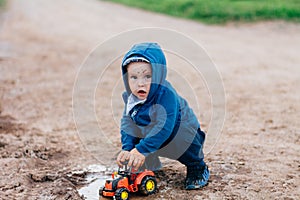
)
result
[(125, 181)]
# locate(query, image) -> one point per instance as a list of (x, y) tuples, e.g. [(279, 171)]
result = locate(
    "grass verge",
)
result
[(2, 3), (222, 11)]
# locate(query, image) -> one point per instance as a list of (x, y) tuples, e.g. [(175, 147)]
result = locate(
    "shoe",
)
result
[(197, 177)]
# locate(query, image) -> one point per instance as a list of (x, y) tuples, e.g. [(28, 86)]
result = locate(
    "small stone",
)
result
[(241, 163)]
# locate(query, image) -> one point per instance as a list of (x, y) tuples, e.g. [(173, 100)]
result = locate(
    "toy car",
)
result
[(125, 181)]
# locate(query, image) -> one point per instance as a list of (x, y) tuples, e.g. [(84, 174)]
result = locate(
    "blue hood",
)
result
[(154, 54)]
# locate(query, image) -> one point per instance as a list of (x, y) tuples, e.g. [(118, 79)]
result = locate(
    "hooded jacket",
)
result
[(151, 124)]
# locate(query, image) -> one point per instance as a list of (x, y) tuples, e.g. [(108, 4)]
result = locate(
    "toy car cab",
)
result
[(125, 181)]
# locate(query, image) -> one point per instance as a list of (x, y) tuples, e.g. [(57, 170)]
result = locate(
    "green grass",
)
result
[(222, 11), (2, 3)]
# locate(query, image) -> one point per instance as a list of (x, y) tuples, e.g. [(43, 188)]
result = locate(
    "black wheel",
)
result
[(148, 185), (122, 194), (101, 191)]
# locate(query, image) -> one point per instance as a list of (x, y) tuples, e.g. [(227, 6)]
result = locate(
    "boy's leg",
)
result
[(197, 170), (192, 158), (152, 162), (193, 155)]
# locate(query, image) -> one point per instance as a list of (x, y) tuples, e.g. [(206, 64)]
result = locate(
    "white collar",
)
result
[(133, 101)]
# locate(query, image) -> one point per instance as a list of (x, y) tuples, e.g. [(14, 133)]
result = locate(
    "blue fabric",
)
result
[(165, 115)]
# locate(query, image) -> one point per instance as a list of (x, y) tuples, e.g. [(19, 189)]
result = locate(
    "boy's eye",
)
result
[(133, 77), (148, 76)]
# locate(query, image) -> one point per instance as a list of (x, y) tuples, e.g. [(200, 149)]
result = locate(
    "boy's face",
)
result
[(139, 79)]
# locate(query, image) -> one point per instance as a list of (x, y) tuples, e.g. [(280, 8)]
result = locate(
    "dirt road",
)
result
[(44, 42)]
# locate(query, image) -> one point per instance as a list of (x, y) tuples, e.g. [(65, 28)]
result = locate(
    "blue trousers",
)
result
[(188, 150)]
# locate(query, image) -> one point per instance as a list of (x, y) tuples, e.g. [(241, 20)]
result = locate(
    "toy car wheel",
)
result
[(122, 194), (101, 191), (148, 185)]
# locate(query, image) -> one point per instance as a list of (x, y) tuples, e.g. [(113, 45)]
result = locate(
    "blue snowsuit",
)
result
[(163, 125)]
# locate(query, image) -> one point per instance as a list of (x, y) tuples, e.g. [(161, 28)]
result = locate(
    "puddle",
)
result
[(6, 50), (95, 178), (91, 191)]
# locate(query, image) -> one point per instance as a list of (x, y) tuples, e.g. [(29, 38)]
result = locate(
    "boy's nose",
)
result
[(141, 82)]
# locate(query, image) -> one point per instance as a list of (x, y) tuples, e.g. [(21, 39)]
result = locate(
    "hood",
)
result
[(154, 54)]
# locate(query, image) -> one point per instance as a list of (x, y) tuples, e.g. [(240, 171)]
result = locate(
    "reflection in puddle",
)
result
[(96, 176)]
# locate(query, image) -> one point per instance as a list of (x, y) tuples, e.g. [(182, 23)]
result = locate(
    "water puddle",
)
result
[(6, 50), (95, 178)]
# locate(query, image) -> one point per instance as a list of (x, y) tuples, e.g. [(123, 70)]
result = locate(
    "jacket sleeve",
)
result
[(162, 123), (129, 132)]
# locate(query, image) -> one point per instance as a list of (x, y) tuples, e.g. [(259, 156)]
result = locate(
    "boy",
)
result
[(156, 120)]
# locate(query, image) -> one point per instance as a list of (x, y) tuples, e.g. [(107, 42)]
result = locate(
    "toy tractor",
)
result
[(126, 180)]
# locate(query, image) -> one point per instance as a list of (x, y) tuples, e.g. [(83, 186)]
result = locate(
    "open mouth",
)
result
[(141, 92)]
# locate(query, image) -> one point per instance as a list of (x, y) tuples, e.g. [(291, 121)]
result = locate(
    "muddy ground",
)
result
[(44, 42)]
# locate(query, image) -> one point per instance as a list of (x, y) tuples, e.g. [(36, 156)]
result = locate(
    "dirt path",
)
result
[(42, 45)]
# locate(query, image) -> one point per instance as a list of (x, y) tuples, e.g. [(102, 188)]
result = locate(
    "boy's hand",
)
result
[(123, 157), (136, 159)]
